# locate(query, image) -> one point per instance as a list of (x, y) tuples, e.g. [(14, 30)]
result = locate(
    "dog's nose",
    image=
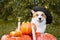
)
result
[(39, 18)]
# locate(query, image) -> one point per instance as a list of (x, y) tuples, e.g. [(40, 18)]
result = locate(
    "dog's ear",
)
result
[(32, 11)]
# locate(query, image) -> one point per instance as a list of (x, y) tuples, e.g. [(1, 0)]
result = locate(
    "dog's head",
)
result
[(41, 14)]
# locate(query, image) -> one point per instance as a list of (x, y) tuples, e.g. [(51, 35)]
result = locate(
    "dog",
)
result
[(40, 17)]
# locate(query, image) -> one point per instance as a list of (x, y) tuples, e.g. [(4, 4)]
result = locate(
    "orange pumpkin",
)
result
[(27, 37), (39, 36), (49, 36), (11, 38), (26, 28), (45, 36), (19, 38), (16, 33), (24, 37), (4, 37)]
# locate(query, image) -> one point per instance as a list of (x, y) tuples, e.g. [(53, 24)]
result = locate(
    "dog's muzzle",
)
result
[(40, 20)]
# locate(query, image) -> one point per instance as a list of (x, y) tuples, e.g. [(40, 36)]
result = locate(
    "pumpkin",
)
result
[(49, 36), (11, 38), (27, 37), (24, 37), (15, 38), (26, 28), (16, 33), (45, 36), (38, 35), (4, 37)]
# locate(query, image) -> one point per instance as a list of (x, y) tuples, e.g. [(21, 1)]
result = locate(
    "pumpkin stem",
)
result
[(18, 24)]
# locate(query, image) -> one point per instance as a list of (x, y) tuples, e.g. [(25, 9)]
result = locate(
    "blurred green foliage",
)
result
[(11, 9)]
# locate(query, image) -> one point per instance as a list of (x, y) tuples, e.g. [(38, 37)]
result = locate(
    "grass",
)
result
[(6, 27)]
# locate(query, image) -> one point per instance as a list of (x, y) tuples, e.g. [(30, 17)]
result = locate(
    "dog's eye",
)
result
[(36, 14), (42, 14)]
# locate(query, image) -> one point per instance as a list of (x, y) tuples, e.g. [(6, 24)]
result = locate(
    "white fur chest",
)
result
[(40, 26)]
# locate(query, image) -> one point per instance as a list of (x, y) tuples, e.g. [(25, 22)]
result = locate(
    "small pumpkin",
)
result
[(26, 28), (16, 33)]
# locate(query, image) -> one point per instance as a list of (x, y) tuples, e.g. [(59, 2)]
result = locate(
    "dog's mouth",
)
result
[(40, 21)]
